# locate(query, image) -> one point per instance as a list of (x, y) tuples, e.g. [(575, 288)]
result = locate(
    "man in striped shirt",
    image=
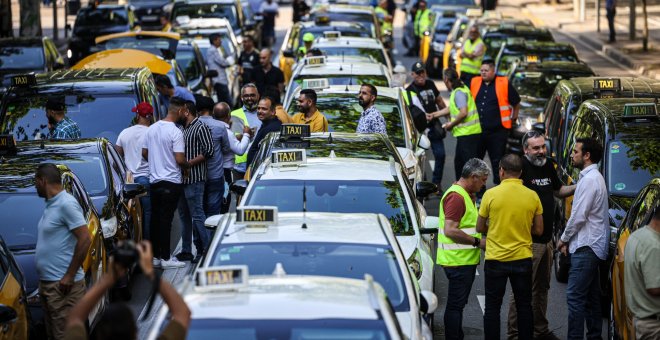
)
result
[(199, 148)]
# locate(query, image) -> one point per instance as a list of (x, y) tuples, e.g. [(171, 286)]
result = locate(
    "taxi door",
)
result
[(12, 299)]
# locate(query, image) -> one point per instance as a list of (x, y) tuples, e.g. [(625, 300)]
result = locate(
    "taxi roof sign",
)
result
[(315, 84), (313, 61), (7, 145), (288, 131), (223, 277), (288, 157), (531, 58), (474, 12), (515, 41), (256, 215), (24, 80), (607, 87), (332, 34), (640, 110)]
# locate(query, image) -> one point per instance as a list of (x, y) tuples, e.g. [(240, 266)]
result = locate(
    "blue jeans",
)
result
[(214, 190), (145, 202), (583, 295), (191, 212), (438, 147), (460, 283), (519, 273)]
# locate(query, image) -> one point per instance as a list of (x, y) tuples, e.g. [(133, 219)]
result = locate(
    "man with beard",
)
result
[(309, 114), (248, 115), (539, 174), (267, 76), (270, 123), (59, 125), (371, 120)]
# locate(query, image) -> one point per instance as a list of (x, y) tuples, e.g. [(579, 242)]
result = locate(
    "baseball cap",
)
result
[(418, 67), (55, 104), (144, 109), (308, 37)]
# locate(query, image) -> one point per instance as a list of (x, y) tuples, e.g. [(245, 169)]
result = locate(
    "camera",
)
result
[(126, 254)]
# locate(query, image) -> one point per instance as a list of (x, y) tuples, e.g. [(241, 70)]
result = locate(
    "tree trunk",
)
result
[(645, 32), (30, 18), (6, 29)]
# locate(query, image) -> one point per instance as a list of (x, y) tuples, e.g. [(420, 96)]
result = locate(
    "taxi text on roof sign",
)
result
[(332, 34), (640, 110), (223, 277), (256, 215), (315, 60), (532, 58), (607, 88), (294, 131), (288, 157), (315, 84), (23, 80)]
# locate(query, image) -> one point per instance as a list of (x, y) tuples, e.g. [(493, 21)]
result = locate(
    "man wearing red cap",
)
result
[(129, 145)]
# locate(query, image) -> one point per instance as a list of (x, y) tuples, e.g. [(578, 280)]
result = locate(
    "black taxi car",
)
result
[(21, 208), (25, 55), (621, 324), (98, 100), (495, 36), (14, 316), (517, 49)]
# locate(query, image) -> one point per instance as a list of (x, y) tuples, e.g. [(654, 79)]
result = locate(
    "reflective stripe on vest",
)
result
[(240, 114), (451, 253), (470, 125), (502, 93), (472, 65)]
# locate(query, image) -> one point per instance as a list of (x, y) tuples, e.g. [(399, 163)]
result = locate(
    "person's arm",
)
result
[(537, 225), (582, 203), (482, 226), (83, 241), (461, 115), (565, 191), (145, 154), (479, 50), (206, 140), (239, 147), (119, 150), (484, 213), (178, 148)]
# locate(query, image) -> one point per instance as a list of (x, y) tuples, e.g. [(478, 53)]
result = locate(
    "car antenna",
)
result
[(330, 138), (304, 225), (342, 56)]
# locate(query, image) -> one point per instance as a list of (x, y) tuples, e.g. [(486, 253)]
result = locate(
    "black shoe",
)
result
[(184, 256), (197, 258)]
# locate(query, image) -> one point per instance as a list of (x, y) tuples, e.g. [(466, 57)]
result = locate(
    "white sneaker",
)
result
[(172, 263), (157, 263)]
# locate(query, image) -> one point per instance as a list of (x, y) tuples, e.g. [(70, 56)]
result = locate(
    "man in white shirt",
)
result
[(586, 237), (129, 146), (163, 147), (215, 61)]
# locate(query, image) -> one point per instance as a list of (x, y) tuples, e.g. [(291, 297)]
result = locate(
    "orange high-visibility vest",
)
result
[(502, 92)]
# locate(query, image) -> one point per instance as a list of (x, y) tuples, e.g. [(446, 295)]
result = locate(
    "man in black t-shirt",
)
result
[(429, 96), (539, 174), (268, 77), (248, 60)]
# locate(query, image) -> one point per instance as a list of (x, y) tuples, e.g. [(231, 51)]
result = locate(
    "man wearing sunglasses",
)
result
[(539, 174)]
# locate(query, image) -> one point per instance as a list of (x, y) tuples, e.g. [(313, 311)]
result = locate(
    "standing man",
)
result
[(215, 61), (472, 55), (498, 103), (167, 91), (248, 115), (509, 246), (642, 278), (269, 10), (464, 120), (422, 23), (586, 237), (214, 188), (59, 125), (267, 76), (248, 60), (238, 145), (309, 114), (429, 95), (62, 243), (164, 150), (384, 17), (371, 120), (270, 122), (274, 94), (199, 148), (459, 242), (540, 175), (610, 7), (129, 146), (300, 9)]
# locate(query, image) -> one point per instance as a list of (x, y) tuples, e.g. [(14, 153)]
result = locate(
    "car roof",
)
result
[(155, 34), (631, 86), (344, 68), (327, 168), (194, 2), (612, 111), (201, 23), (388, 92), (341, 8), (123, 57), (538, 46), (97, 80), (558, 66), (343, 144), (362, 42)]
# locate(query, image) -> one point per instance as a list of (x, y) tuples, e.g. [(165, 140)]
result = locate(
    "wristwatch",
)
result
[(476, 242)]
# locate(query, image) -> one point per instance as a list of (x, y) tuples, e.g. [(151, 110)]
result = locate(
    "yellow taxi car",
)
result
[(13, 301), (620, 321)]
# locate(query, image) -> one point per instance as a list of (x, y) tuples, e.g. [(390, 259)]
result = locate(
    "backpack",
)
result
[(418, 115)]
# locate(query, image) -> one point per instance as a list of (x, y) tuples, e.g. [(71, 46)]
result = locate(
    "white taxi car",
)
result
[(357, 46)]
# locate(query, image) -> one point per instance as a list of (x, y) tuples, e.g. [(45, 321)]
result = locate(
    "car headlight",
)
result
[(34, 299), (438, 47), (109, 227), (69, 54), (239, 39), (528, 121)]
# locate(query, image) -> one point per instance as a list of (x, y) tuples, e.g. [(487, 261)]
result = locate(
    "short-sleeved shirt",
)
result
[(162, 140), (317, 122), (371, 121), (131, 140), (66, 129), (268, 80), (544, 181), (427, 95), (454, 207), (510, 208), (489, 108), (248, 61), (642, 272), (55, 239), (198, 140), (220, 146)]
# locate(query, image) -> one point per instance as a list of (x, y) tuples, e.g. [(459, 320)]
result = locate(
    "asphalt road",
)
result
[(473, 315)]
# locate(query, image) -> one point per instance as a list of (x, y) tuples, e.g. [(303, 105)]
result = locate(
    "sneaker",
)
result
[(184, 256), (172, 263), (157, 263)]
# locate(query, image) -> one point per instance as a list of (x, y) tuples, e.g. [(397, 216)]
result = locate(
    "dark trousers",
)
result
[(222, 91), (519, 273), (214, 190), (466, 78), (438, 147), (164, 199), (611, 12), (226, 201), (460, 283), (493, 141), (583, 295), (467, 147)]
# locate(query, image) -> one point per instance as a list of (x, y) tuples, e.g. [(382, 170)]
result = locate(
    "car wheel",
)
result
[(561, 265)]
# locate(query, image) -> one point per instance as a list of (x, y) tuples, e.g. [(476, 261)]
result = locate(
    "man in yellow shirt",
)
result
[(514, 213), (309, 114)]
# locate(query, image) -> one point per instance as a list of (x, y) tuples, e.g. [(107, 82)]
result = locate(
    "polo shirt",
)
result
[(317, 122), (510, 208), (488, 107)]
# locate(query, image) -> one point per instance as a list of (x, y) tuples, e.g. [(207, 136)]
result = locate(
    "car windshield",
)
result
[(335, 79), (101, 17), (539, 56), (25, 117), (206, 10), (343, 113), (21, 57), (631, 164), (376, 53), (154, 45), (20, 217), (385, 198), (345, 32), (203, 329), (323, 259), (365, 19)]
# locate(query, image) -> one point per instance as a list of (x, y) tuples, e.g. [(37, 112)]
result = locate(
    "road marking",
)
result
[(482, 303)]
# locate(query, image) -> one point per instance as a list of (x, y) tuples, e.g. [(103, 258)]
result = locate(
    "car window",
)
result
[(631, 163), (207, 10), (376, 53), (188, 63), (91, 171), (647, 206), (335, 79), (101, 17), (19, 222), (116, 172), (21, 57)]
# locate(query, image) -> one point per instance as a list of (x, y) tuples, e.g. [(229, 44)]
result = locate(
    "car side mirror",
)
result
[(288, 54), (431, 225), (428, 302), (7, 314), (212, 222), (423, 189), (239, 187), (132, 190), (211, 73)]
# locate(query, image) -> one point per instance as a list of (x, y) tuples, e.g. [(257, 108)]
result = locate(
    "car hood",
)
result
[(26, 260), (406, 324)]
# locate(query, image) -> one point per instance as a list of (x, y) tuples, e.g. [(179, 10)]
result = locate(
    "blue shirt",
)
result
[(66, 129), (488, 107), (55, 239), (180, 92), (220, 146)]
